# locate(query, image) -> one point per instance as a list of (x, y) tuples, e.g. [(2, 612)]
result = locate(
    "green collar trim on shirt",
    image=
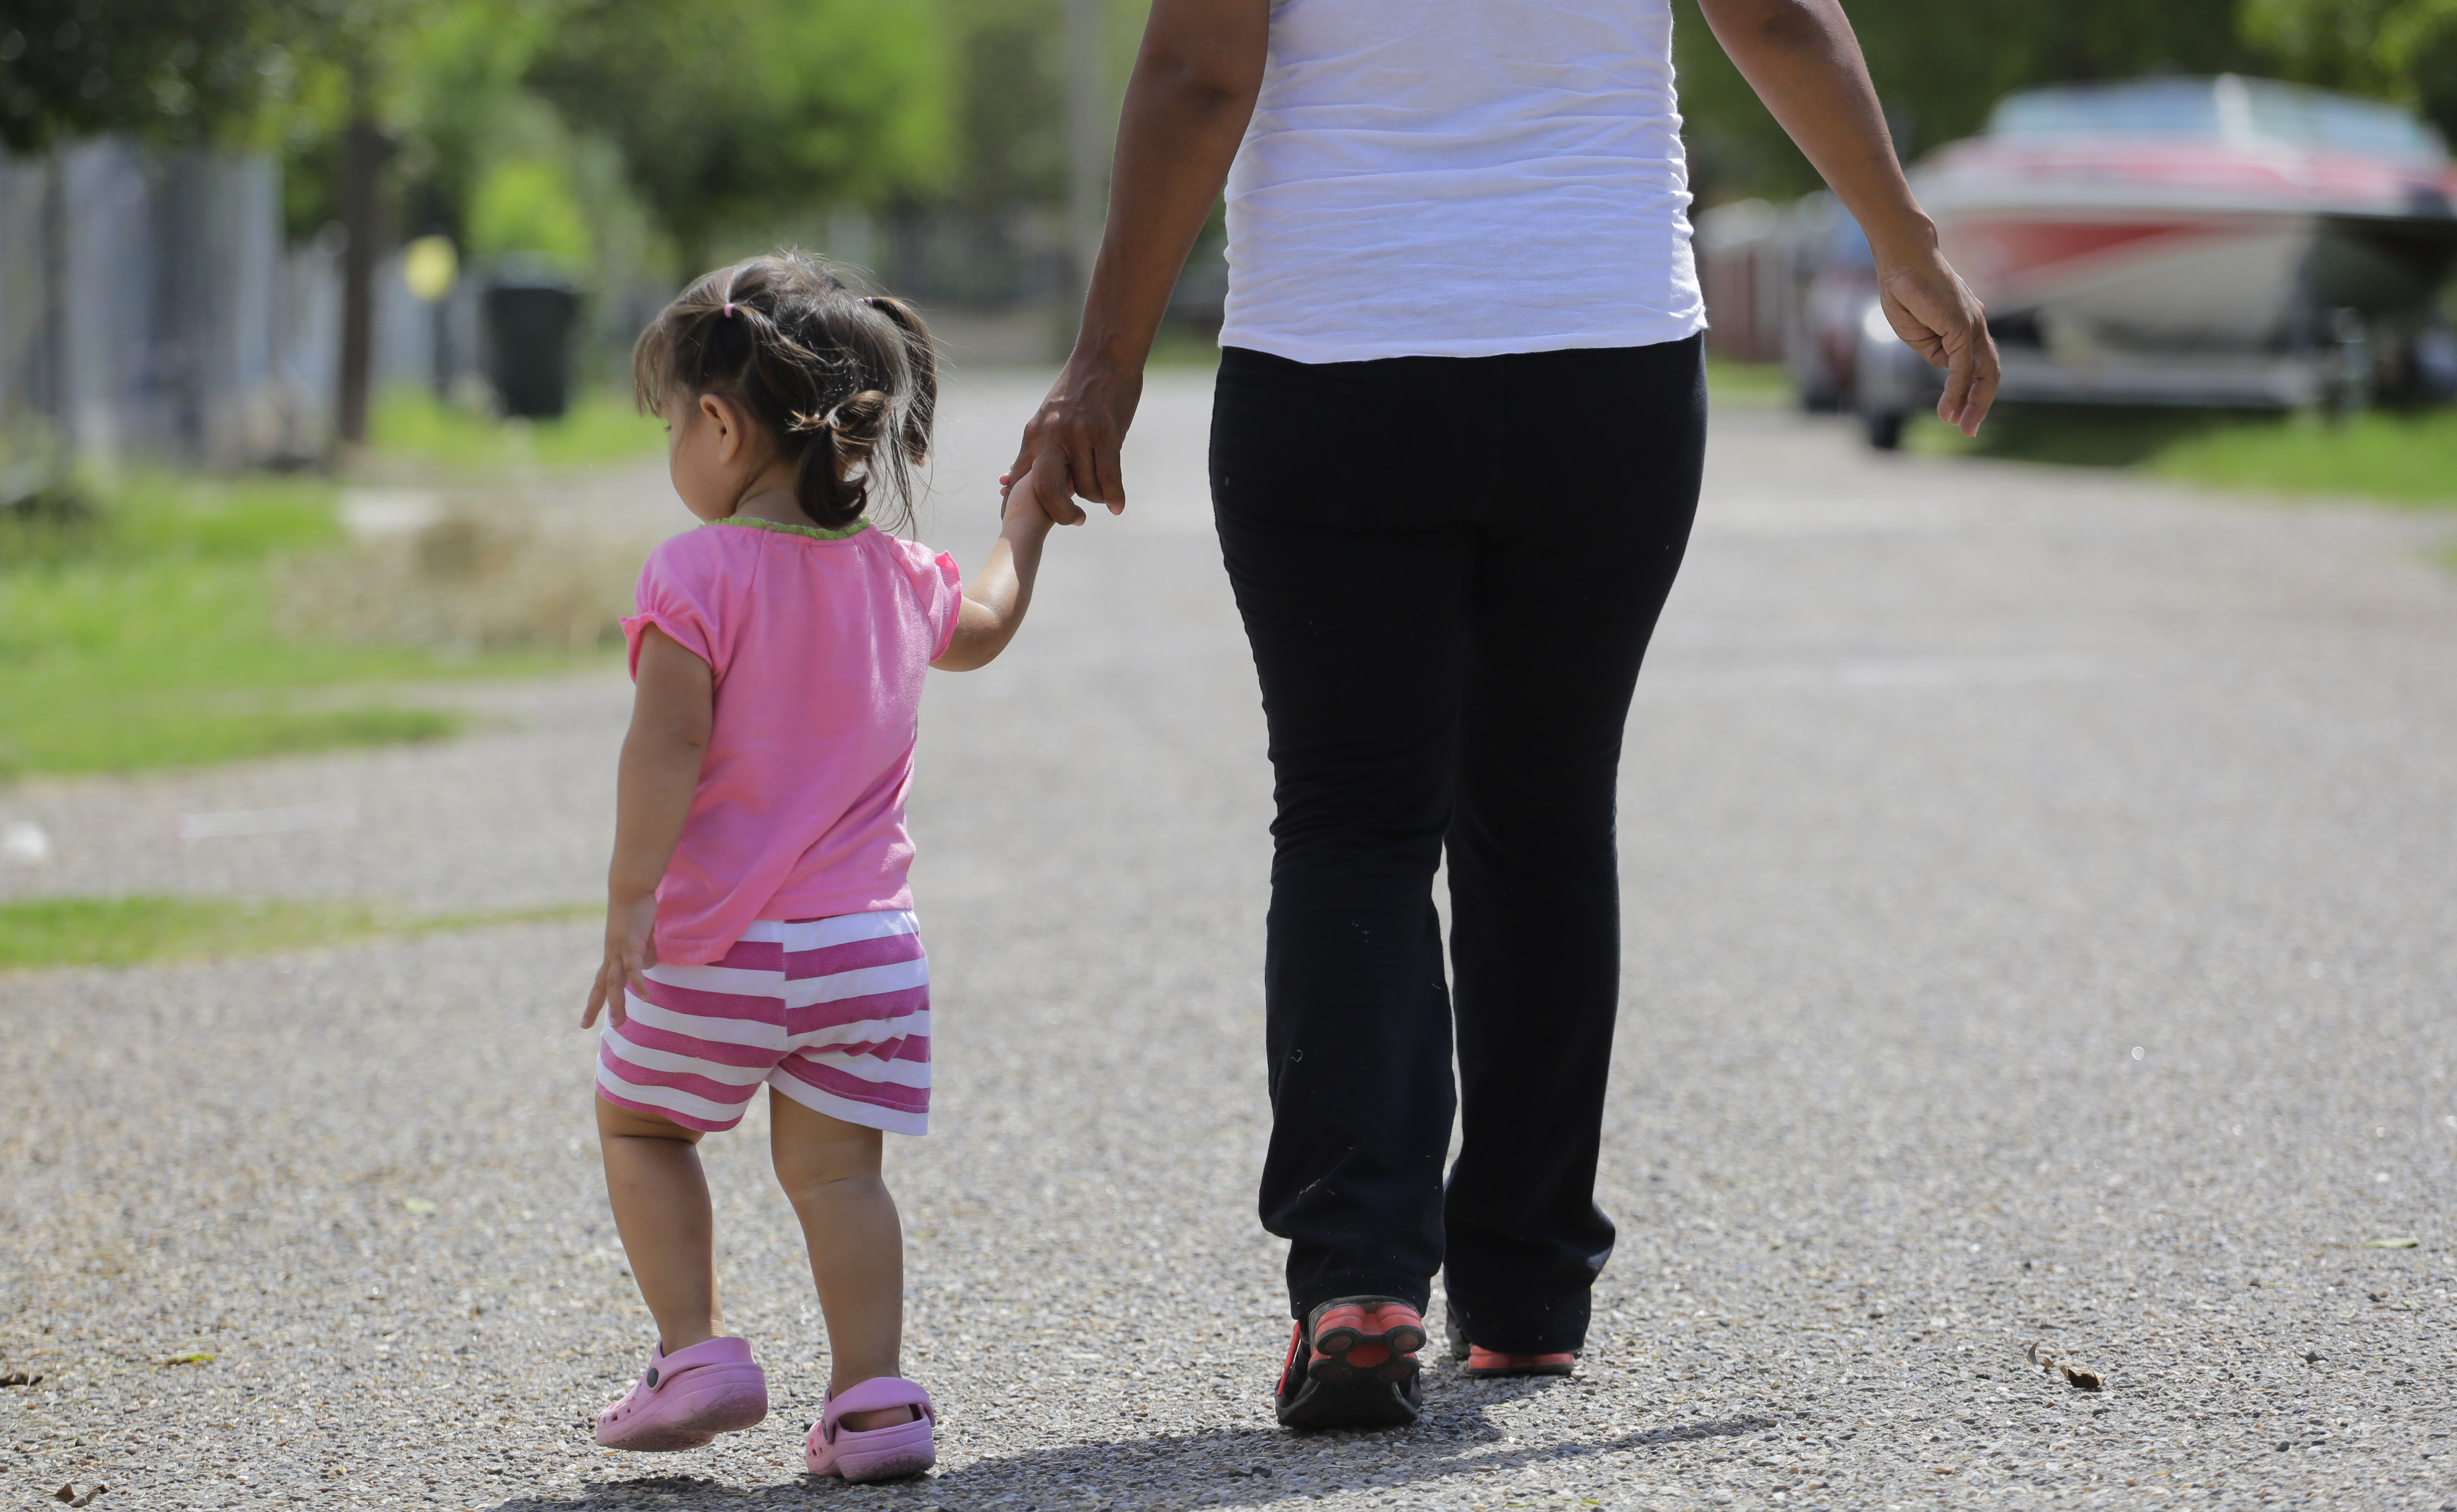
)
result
[(814, 532)]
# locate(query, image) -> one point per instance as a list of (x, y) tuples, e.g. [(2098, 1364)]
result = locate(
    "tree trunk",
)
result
[(365, 152)]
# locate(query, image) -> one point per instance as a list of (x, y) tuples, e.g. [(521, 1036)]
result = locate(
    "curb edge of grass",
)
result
[(87, 932)]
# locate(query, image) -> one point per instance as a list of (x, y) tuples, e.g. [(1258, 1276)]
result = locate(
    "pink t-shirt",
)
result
[(818, 640)]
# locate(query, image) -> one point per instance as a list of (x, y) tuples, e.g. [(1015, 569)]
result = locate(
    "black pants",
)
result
[(1448, 569)]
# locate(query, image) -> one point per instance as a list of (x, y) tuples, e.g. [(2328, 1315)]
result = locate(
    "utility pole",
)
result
[(1087, 151), (54, 395)]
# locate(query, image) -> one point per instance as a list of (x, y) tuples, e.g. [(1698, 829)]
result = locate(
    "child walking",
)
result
[(759, 928)]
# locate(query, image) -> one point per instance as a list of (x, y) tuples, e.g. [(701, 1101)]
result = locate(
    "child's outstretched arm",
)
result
[(995, 597), (671, 713)]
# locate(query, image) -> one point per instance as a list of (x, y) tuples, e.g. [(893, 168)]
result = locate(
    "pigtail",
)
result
[(819, 485), (921, 356), (839, 457)]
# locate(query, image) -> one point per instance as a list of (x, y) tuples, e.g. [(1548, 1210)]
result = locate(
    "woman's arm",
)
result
[(1801, 57), (670, 711), (995, 597), (1195, 79)]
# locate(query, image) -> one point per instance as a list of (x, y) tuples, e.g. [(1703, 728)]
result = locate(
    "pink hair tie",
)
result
[(729, 309)]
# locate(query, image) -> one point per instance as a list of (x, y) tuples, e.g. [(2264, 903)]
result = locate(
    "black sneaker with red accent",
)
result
[(1352, 1364), (1488, 1364)]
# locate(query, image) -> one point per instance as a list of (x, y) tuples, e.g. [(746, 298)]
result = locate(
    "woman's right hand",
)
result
[(1938, 317), (1070, 446), (630, 948)]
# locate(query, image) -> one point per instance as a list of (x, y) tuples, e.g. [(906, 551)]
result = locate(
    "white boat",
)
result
[(2224, 242)]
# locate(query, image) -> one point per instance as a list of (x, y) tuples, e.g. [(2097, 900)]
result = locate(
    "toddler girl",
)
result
[(758, 928)]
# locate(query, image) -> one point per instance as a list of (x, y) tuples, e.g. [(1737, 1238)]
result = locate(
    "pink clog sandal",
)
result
[(687, 1399), (873, 1454)]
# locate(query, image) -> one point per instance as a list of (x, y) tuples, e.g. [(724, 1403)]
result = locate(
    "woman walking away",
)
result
[(758, 928), (1454, 453)]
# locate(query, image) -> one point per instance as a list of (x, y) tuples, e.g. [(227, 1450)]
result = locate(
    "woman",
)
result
[(1454, 455)]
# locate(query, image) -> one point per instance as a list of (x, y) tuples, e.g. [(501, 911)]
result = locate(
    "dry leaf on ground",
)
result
[(2056, 1366)]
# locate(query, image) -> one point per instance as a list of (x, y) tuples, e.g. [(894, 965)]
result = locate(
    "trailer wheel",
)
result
[(1884, 429)]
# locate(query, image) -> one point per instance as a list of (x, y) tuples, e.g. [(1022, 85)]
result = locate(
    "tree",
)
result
[(459, 103), (171, 70), (728, 110), (1939, 65), (174, 69), (350, 44), (2400, 49), (385, 85)]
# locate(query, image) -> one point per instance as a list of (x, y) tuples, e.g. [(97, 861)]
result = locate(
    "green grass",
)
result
[(1747, 382), (128, 931), (2403, 459), (2408, 459), (144, 635), (412, 424)]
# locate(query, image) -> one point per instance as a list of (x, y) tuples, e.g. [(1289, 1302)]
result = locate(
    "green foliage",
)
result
[(2400, 49), (177, 69), (727, 110), (603, 426), (526, 205), (2401, 458), (1938, 66), (441, 77), (1011, 104), (457, 103), (148, 639), (126, 930)]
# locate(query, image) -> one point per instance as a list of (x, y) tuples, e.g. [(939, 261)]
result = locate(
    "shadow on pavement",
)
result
[(1229, 1467)]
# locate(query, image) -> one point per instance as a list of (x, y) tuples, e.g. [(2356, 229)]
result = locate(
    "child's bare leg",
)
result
[(829, 1171), (660, 1196)]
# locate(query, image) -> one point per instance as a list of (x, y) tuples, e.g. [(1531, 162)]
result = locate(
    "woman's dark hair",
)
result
[(846, 384)]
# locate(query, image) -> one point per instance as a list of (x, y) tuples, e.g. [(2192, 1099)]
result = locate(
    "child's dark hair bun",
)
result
[(847, 383)]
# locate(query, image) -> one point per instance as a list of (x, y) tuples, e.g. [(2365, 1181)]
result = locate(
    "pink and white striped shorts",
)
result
[(834, 1013)]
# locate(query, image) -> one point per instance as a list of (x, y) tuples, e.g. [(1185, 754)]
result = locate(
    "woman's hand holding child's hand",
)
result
[(630, 948), (1012, 488)]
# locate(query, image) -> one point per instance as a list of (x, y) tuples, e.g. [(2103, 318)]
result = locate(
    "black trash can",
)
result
[(529, 322)]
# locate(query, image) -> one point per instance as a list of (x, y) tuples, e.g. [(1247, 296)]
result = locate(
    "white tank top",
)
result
[(1461, 179)]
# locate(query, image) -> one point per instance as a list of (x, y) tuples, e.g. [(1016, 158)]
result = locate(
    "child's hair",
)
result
[(845, 383)]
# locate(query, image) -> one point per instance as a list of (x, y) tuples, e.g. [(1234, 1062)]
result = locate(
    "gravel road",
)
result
[(2039, 915)]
